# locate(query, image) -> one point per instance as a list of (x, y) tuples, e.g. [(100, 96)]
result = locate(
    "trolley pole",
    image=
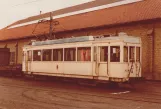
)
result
[(51, 27)]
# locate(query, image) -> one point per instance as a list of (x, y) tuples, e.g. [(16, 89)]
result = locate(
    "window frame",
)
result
[(49, 56), (90, 50), (133, 46), (40, 55), (64, 56), (108, 46), (139, 53), (119, 46)]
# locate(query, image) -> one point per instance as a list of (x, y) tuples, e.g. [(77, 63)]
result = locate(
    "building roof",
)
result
[(68, 10), (137, 11)]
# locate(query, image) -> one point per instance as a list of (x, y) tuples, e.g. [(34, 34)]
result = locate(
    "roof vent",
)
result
[(122, 34)]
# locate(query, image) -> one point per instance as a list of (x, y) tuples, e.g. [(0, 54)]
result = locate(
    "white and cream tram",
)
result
[(116, 58)]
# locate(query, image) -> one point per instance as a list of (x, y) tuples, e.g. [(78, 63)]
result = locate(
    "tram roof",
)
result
[(133, 12), (122, 37)]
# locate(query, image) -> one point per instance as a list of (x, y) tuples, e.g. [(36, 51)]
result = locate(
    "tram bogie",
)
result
[(116, 58)]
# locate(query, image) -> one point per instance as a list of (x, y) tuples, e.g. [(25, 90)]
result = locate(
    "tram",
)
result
[(114, 58)]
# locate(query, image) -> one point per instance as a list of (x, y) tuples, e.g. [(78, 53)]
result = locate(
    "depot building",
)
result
[(139, 18)]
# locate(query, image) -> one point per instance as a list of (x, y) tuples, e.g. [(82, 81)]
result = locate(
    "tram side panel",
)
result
[(47, 68), (78, 68), (58, 68), (63, 68)]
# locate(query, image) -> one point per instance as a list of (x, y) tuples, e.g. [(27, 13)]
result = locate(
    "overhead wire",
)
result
[(35, 28), (26, 3)]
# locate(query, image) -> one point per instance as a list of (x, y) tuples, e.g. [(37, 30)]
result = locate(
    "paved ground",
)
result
[(16, 93)]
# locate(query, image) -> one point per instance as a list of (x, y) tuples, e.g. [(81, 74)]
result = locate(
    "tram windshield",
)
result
[(132, 54), (137, 54)]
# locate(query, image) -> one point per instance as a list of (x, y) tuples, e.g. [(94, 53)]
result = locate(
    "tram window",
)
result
[(58, 55), (37, 55), (138, 54), (29, 54), (84, 54), (70, 54), (115, 54), (125, 54), (103, 54), (47, 55), (132, 54)]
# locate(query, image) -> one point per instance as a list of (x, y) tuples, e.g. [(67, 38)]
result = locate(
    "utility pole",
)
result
[(51, 25)]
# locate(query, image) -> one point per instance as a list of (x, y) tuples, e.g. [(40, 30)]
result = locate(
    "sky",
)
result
[(14, 10)]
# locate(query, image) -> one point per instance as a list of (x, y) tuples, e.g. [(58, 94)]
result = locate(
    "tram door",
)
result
[(134, 65), (138, 62), (103, 61), (131, 64), (28, 61)]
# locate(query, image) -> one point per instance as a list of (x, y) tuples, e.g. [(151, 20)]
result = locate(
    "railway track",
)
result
[(62, 96), (146, 96)]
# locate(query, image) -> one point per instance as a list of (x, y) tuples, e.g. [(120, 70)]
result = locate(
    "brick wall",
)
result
[(12, 46), (143, 30), (157, 52)]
